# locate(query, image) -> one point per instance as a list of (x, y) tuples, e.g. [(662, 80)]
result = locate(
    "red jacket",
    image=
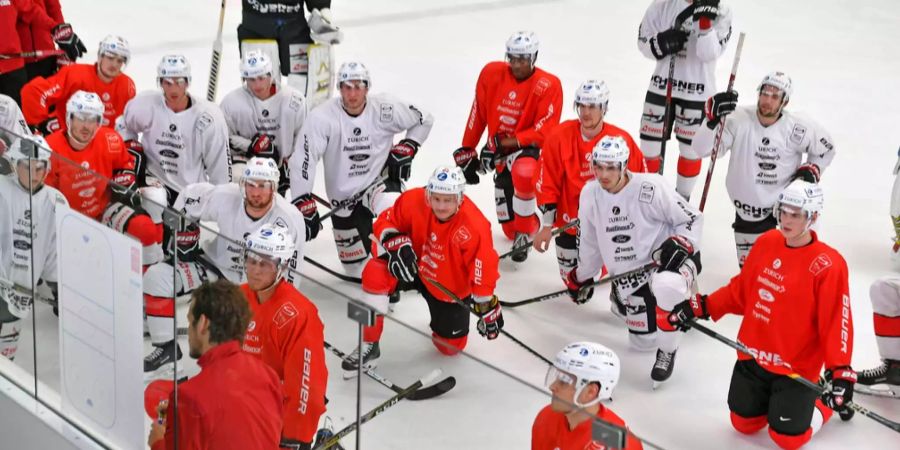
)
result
[(234, 402), (13, 12), (34, 37), (551, 432)]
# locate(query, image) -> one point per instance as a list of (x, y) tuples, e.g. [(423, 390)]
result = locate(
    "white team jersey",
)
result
[(622, 230), (181, 148), (224, 205), (694, 65), (763, 159), (355, 149), (280, 116), (18, 215)]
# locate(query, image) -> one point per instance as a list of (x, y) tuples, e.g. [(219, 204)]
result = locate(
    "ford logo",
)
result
[(621, 238), (21, 245), (358, 157), (766, 166), (168, 153)]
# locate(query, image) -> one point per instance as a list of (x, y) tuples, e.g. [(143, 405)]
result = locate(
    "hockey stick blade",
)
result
[(352, 199), (555, 232), (552, 295), (888, 392)]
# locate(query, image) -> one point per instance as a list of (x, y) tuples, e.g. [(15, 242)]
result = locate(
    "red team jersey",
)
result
[(286, 333), (40, 95), (458, 253), (551, 432), (84, 189), (795, 303), (566, 167), (527, 110)]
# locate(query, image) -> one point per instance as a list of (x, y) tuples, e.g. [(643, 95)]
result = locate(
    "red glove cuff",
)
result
[(705, 23)]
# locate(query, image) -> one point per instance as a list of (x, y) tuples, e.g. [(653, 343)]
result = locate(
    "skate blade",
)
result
[(878, 390), (656, 384), (351, 374)]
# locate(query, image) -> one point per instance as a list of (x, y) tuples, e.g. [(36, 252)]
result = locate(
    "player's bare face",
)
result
[(82, 130), (768, 106), (444, 206), (563, 390), (258, 196), (609, 175), (794, 225), (591, 117), (353, 96), (195, 347), (31, 178), (261, 272), (110, 66), (175, 91), (260, 86), (520, 66)]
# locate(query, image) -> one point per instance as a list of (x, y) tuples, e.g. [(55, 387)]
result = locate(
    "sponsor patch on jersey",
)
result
[(765, 295), (285, 315), (203, 122), (387, 113), (767, 166), (461, 236), (168, 153), (87, 193), (21, 245), (281, 222), (358, 157), (113, 143), (621, 238), (541, 86), (251, 326), (819, 264), (295, 102), (511, 121), (647, 192), (797, 134)]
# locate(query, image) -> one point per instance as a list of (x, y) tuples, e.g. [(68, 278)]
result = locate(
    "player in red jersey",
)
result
[(519, 104), (793, 292), (435, 232), (582, 374), (286, 333)]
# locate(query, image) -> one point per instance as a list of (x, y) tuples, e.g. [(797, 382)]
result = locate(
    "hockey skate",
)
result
[(324, 434), (162, 359), (662, 370), (371, 351), (520, 241), (887, 373)]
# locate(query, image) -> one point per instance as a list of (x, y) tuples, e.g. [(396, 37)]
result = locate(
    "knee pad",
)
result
[(748, 425), (382, 196), (885, 296), (159, 306), (652, 123), (524, 171), (509, 230), (503, 196), (154, 200), (689, 167), (788, 442), (566, 254), (150, 234), (377, 279), (670, 288), (449, 346), (688, 115), (190, 275), (526, 223), (351, 235)]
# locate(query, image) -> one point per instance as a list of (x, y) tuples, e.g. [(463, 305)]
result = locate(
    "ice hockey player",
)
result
[(87, 157), (767, 145), (582, 375), (885, 296), (184, 138), (695, 33), (12, 128), (285, 332), (27, 209), (566, 167), (236, 212), (629, 220), (263, 118), (519, 104), (44, 99), (793, 292), (434, 232), (354, 135)]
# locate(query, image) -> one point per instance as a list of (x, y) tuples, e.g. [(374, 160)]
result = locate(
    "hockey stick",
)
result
[(404, 393), (555, 232), (34, 54), (353, 198), (325, 268), (721, 128), (216, 58), (795, 376), (553, 295), (667, 125), (502, 331), (424, 393)]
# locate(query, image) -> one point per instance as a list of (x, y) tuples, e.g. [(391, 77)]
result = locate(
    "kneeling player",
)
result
[(433, 232)]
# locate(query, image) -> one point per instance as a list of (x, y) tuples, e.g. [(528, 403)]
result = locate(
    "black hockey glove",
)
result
[(402, 261), (488, 156), (719, 106), (187, 242), (399, 163), (681, 315), (842, 381), (68, 41), (669, 42), (490, 316), (808, 172), (124, 187), (45, 127), (467, 159), (306, 204), (706, 9), (673, 252), (579, 291)]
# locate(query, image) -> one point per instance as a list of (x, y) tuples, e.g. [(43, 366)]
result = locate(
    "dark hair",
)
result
[(223, 303)]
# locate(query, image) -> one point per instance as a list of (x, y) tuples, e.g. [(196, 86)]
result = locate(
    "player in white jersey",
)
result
[(12, 126), (767, 144), (27, 236), (236, 211), (264, 118), (695, 33), (885, 296), (629, 220), (184, 137), (354, 135)]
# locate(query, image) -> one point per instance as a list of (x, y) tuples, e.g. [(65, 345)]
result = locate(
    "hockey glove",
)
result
[(505, 143), (402, 261), (284, 178), (262, 145), (124, 188), (719, 106), (467, 159), (293, 444), (399, 163), (705, 11), (842, 380), (321, 29), (46, 127), (488, 157), (808, 172), (490, 317), (306, 204), (673, 252), (68, 41), (669, 42), (579, 291), (681, 315), (187, 242)]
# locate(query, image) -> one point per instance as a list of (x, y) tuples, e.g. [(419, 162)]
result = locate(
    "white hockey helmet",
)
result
[(587, 362), (803, 196), (174, 66), (447, 180), (29, 147), (592, 92), (115, 45), (354, 70), (260, 169), (85, 105), (523, 43), (611, 149), (780, 81), (272, 242), (255, 63)]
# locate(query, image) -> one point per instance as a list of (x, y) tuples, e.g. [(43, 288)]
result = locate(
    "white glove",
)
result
[(321, 29)]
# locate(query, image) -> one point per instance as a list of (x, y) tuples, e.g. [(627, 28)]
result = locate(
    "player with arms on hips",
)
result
[(695, 33), (629, 220), (519, 105), (285, 332), (793, 292), (582, 375), (434, 232), (566, 167), (44, 99), (236, 211), (184, 138), (767, 145), (354, 135), (27, 208), (263, 117)]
